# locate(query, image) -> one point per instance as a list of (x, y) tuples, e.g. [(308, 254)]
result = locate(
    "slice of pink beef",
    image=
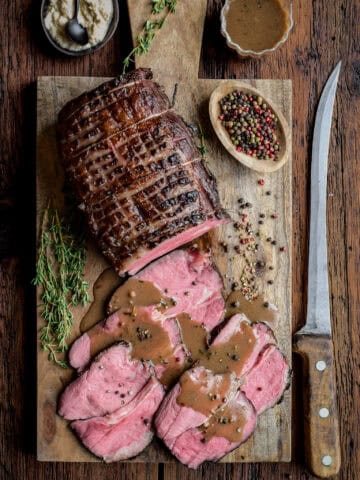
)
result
[(190, 448), (111, 381), (266, 382), (191, 279), (108, 329), (263, 336), (127, 431), (173, 243), (173, 419)]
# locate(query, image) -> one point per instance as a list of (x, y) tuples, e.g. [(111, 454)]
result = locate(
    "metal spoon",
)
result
[(75, 31)]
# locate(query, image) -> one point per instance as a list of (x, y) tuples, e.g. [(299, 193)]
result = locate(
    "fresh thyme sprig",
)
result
[(59, 272), (202, 147), (151, 26)]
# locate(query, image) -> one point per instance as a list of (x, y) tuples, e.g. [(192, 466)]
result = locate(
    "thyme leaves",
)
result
[(59, 272), (151, 26), (201, 147)]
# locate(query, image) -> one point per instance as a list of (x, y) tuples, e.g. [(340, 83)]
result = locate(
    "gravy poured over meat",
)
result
[(232, 355), (137, 293), (194, 335), (257, 310), (227, 422), (104, 286), (196, 395)]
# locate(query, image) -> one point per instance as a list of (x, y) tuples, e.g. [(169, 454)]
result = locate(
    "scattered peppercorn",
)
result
[(251, 126), (261, 222), (224, 246), (262, 215), (274, 242), (266, 304), (270, 282), (268, 193)]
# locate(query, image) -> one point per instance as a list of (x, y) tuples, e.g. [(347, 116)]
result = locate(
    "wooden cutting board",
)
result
[(174, 58)]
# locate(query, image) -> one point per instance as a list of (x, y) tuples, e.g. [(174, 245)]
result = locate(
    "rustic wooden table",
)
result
[(325, 31)]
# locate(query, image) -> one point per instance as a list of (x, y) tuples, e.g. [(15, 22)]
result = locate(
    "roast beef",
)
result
[(191, 449), (173, 419), (183, 427), (111, 381), (136, 171), (189, 278), (266, 382), (118, 326), (262, 333), (125, 432)]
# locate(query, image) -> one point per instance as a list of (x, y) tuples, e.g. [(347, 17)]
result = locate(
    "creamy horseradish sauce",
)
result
[(94, 15)]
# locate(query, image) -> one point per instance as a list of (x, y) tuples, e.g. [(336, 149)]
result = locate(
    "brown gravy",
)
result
[(138, 293), (256, 310), (104, 286), (197, 395), (149, 340), (256, 25), (232, 355), (227, 422), (194, 335)]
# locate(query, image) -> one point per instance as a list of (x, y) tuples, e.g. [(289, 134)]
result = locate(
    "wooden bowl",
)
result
[(283, 132)]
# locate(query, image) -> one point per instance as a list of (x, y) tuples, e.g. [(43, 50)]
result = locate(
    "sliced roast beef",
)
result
[(125, 432), (204, 391), (266, 382), (193, 447), (235, 327), (111, 381), (204, 417), (188, 278), (137, 172)]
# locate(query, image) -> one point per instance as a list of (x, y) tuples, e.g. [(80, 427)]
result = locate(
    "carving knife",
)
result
[(314, 340)]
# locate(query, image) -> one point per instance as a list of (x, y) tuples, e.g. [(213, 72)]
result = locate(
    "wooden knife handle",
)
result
[(322, 445)]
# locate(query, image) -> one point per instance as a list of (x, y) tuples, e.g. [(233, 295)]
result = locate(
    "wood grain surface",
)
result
[(320, 410), (324, 32)]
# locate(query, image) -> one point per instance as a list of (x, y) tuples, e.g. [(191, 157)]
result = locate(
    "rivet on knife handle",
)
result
[(322, 445)]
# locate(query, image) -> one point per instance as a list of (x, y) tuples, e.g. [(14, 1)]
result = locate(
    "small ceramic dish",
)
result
[(283, 131), (250, 53), (79, 53)]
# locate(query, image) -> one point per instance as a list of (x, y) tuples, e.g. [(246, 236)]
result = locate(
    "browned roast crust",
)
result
[(135, 168), (103, 90)]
